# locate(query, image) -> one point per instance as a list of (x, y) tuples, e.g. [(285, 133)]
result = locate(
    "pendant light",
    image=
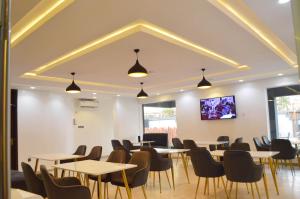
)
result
[(142, 94), (137, 70), (204, 84), (73, 88)]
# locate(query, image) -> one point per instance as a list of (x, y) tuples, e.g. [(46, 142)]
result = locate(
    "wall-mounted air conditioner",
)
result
[(88, 103)]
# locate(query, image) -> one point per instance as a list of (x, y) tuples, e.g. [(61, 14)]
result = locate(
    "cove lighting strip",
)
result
[(36, 17), (138, 26), (243, 15)]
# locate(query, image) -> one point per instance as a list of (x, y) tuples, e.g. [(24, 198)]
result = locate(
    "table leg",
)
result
[(185, 167), (266, 182), (172, 172), (36, 165), (99, 187), (273, 174), (55, 169), (126, 184)]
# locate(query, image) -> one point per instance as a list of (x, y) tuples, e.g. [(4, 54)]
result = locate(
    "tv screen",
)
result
[(218, 108)]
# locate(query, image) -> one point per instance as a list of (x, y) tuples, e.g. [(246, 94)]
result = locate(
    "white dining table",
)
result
[(98, 168), (21, 194), (141, 143), (211, 142), (53, 157), (171, 151), (261, 155)]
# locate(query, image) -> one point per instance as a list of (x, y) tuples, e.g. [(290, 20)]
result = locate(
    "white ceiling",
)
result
[(172, 67)]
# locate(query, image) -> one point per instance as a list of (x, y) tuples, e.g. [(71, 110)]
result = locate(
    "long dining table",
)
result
[(169, 152), (97, 168), (262, 156)]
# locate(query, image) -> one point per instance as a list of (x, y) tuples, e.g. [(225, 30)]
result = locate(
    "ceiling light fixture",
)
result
[(142, 94), (94, 93), (32, 87), (204, 84), (73, 88), (283, 1), (279, 74), (137, 70), (181, 90), (241, 80)]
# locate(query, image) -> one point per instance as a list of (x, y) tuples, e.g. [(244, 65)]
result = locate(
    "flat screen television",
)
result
[(218, 108)]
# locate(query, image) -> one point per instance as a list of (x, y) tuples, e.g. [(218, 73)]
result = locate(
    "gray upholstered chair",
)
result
[(205, 166), (240, 168), (259, 145), (137, 177), (240, 146), (129, 146), (95, 154), (266, 140)]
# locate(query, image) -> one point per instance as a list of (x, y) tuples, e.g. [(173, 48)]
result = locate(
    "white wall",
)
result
[(251, 104), (44, 123)]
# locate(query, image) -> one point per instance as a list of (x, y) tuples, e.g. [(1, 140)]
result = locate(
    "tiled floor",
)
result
[(289, 187)]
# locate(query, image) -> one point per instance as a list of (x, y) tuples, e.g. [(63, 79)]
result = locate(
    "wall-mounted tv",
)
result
[(218, 108)]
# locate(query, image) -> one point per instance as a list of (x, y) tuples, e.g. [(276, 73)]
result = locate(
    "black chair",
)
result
[(240, 146), (259, 145), (225, 146), (116, 144), (18, 180), (266, 141), (189, 144), (205, 166), (95, 154), (34, 182), (238, 140), (286, 152), (240, 168), (177, 144), (129, 146), (69, 188), (137, 176), (117, 156), (159, 163)]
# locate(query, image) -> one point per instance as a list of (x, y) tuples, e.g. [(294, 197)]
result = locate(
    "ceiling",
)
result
[(177, 38)]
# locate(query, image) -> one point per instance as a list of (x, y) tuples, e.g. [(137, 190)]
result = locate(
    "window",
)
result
[(160, 118)]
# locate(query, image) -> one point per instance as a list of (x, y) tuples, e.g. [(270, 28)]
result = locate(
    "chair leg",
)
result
[(93, 190), (256, 186), (159, 182), (230, 189), (168, 179), (177, 159), (116, 194), (144, 191), (252, 191), (247, 188), (236, 190), (205, 186), (218, 182), (225, 187), (153, 179), (197, 187), (105, 184), (291, 166), (215, 193), (119, 190), (172, 173)]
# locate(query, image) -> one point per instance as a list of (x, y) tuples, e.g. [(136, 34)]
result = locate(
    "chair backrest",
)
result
[(189, 144), (204, 164), (238, 140), (239, 167), (154, 156), (284, 147), (95, 153), (117, 156), (33, 183), (128, 145), (160, 139), (257, 143), (177, 143), (266, 140), (240, 146), (80, 150), (116, 144)]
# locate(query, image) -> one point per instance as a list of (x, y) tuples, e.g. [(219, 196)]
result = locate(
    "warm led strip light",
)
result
[(139, 26), (42, 12), (240, 13)]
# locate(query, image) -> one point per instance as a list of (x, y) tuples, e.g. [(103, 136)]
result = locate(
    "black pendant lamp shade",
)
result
[(137, 70), (73, 88), (204, 84), (142, 94)]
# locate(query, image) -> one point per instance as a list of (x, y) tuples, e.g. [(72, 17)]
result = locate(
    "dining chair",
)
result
[(238, 140), (129, 146), (223, 138), (136, 177), (189, 144), (286, 152), (117, 156), (259, 145), (205, 166), (177, 144), (95, 154), (266, 141), (116, 144), (240, 168), (159, 164), (240, 146), (34, 182), (70, 188)]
